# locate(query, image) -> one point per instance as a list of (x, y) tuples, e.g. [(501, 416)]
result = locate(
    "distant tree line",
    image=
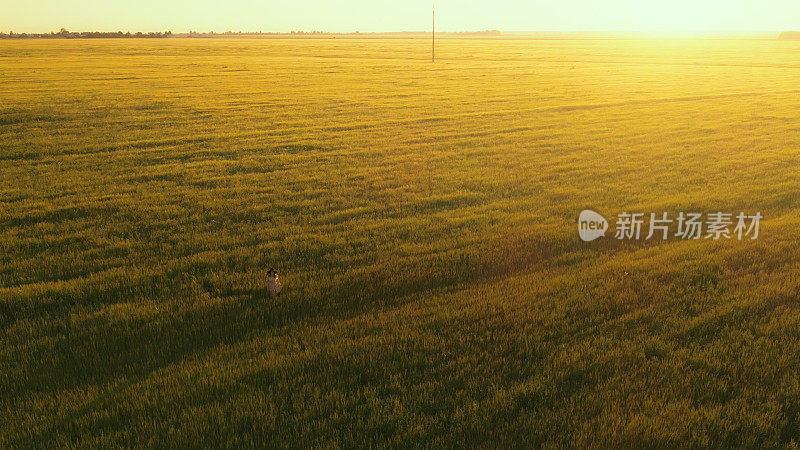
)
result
[(64, 34), (300, 33), (252, 33), (479, 33)]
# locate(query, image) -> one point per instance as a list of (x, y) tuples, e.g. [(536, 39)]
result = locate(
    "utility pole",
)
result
[(433, 35)]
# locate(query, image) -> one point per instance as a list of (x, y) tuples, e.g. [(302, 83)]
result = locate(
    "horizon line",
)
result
[(488, 30)]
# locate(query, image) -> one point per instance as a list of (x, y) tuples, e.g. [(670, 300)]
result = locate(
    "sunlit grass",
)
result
[(423, 217)]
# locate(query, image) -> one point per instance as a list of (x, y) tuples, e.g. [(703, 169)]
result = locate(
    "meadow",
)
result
[(423, 217)]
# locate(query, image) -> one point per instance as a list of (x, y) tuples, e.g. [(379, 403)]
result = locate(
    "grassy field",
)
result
[(423, 217)]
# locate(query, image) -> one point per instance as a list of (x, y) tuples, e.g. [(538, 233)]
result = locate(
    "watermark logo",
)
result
[(591, 225), (634, 226)]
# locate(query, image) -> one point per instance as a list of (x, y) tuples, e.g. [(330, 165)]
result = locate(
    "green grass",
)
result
[(423, 217)]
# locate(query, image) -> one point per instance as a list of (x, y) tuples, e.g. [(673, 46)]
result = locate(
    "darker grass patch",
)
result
[(14, 116), (153, 106), (300, 148), (7, 316), (790, 421), (175, 177), (98, 349), (60, 215)]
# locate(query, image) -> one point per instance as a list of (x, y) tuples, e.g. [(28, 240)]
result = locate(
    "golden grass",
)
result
[(423, 217)]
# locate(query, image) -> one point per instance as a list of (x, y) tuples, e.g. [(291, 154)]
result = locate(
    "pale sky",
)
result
[(399, 15)]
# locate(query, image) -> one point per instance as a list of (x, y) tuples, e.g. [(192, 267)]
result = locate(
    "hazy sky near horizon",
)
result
[(411, 15)]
